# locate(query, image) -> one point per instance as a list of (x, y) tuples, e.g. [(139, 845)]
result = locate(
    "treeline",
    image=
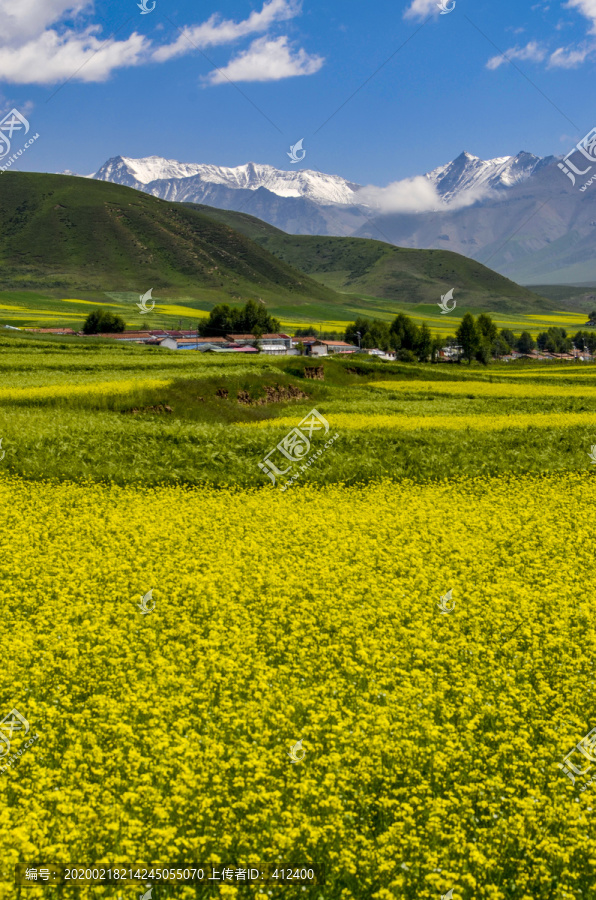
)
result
[(411, 342), (252, 318), (478, 339), (482, 340), (556, 340)]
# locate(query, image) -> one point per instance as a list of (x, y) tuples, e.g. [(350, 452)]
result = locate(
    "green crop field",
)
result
[(32, 309)]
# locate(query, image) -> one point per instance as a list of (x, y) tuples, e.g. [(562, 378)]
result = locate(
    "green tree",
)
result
[(424, 342), (361, 325), (487, 327), (557, 340), (525, 342), (404, 333), (381, 335), (509, 337), (219, 322), (437, 345), (500, 347), (579, 340), (374, 334), (468, 337), (252, 318), (483, 352), (99, 321)]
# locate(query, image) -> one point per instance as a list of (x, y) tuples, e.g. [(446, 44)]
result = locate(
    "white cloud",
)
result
[(587, 8), (415, 195), (569, 57), (532, 52), (216, 31), (52, 57), (410, 195), (420, 9), (47, 41), (267, 60), (25, 19)]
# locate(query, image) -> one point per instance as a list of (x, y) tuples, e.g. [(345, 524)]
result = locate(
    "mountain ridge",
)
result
[(464, 172), (477, 210)]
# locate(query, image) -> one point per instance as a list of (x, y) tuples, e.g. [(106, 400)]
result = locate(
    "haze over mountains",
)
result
[(519, 214)]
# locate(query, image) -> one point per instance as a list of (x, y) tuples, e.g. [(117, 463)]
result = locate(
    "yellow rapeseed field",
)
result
[(432, 740), (487, 389), (489, 422), (116, 388)]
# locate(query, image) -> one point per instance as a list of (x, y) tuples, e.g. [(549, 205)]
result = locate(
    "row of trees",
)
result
[(478, 339), (556, 340), (411, 341)]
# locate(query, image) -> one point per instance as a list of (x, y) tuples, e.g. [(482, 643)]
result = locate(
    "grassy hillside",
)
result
[(571, 296), (377, 269), (68, 243), (65, 233)]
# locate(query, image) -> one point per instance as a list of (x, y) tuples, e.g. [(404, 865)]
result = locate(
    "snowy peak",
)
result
[(468, 173), (303, 201), (150, 173)]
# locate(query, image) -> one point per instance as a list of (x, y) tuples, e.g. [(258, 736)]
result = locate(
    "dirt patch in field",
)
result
[(276, 394), (315, 372), (149, 409)]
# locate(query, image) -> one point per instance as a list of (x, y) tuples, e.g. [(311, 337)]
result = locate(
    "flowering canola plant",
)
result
[(431, 740), (65, 391), (485, 389), (491, 422)]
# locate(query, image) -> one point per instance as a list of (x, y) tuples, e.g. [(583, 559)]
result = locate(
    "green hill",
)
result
[(376, 269), (68, 237), (65, 233)]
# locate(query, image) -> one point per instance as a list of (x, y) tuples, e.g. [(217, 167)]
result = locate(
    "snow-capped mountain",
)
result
[(303, 201), (195, 182), (151, 173), (484, 201), (469, 173)]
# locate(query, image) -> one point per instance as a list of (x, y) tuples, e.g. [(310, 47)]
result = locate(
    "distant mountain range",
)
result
[(518, 214)]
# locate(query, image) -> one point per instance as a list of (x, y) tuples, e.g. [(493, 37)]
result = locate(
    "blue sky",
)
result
[(242, 80)]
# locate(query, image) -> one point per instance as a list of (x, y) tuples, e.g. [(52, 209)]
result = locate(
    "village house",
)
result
[(328, 348), (271, 344), (300, 345)]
